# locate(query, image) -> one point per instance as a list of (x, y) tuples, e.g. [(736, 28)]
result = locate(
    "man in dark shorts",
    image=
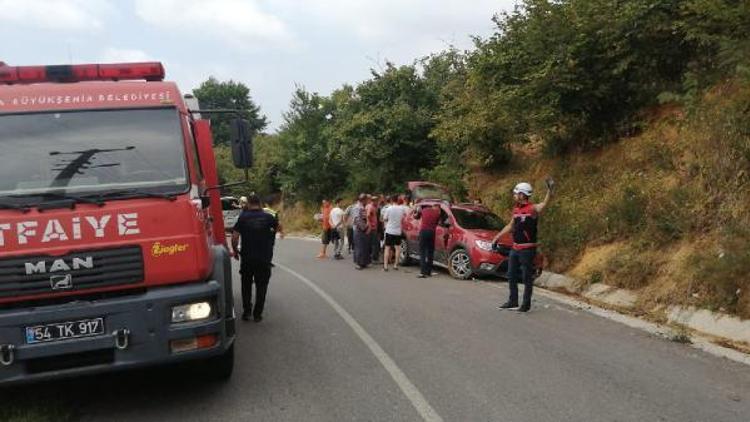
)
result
[(393, 219), (257, 229)]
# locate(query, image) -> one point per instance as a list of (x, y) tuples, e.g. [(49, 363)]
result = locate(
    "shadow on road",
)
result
[(72, 399)]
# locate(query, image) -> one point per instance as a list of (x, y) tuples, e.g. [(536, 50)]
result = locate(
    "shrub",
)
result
[(626, 213)]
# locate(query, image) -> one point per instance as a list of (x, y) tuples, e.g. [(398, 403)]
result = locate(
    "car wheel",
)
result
[(404, 259), (459, 264)]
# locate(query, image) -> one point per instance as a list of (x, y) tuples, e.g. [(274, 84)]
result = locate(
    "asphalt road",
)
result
[(338, 344)]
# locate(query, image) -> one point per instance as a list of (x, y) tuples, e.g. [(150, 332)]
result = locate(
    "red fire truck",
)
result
[(112, 245)]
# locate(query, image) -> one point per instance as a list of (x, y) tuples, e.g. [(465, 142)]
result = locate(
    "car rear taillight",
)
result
[(150, 71)]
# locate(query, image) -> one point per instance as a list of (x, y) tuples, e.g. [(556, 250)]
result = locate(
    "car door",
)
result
[(410, 230)]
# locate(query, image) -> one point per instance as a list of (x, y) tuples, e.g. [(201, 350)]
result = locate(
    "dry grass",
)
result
[(298, 219), (666, 213)]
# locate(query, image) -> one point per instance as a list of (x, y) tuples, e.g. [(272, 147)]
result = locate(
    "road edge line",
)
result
[(411, 392)]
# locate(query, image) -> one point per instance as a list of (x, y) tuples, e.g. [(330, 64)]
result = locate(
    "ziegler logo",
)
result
[(77, 263), (159, 250)]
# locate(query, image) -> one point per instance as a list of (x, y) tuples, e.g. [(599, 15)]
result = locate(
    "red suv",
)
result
[(464, 244)]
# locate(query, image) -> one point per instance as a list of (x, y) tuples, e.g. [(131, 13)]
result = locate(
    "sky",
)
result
[(272, 46)]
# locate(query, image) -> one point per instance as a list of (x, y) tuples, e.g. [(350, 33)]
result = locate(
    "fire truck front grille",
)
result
[(30, 275)]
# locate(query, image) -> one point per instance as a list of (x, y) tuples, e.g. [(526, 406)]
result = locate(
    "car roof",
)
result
[(462, 206), (471, 207)]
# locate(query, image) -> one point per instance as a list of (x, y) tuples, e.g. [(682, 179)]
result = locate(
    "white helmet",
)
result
[(524, 188)]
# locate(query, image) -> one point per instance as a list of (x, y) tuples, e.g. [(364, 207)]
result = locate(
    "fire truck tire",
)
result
[(220, 368)]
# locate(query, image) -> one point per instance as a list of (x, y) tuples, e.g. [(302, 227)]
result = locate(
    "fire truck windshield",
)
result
[(83, 152)]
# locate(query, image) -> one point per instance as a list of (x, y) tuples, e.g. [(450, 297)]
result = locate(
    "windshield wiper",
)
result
[(53, 200), (22, 208), (63, 197), (137, 193)]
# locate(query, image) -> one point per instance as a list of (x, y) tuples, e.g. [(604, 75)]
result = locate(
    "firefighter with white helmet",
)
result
[(523, 227)]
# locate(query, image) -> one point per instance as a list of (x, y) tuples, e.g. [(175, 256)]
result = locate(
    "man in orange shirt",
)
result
[(325, 211)]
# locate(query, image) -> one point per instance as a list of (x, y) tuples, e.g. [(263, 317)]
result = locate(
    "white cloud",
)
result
[(55, 14), (240, 22), (120, 55), (404, 21)]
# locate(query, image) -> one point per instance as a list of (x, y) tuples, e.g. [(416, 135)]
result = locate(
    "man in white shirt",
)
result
[(338, 229), (393, 218)]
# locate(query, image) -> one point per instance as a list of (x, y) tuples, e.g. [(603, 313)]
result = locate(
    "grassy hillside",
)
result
[(666, 212)]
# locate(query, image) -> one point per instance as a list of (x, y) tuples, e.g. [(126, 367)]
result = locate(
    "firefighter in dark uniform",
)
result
[(523, 227), (257, 230)]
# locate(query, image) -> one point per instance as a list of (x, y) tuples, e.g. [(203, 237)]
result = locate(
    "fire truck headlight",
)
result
[(191, 312)]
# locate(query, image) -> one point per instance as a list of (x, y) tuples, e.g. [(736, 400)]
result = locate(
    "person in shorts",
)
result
[(393, 219)]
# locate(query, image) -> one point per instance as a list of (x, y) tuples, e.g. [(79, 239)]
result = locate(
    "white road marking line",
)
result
[(407, 387)]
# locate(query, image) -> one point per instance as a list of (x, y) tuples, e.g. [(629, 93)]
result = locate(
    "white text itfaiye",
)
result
[(74, 228)]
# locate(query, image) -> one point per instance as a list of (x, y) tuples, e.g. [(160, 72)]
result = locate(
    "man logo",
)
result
[(61, 282), (42, 267)]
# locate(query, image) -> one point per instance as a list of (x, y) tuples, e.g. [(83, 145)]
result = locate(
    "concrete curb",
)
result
[(703, 321), (714, 323)]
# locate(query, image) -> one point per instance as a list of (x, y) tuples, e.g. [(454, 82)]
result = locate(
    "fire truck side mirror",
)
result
[(241, 139)]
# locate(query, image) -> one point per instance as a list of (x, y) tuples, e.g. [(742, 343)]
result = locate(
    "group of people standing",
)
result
[(373, 227)]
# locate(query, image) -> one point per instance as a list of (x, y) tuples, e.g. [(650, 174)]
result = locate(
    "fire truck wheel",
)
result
[(220, 368)]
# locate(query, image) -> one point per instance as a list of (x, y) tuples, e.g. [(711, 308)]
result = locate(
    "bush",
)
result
[(721, 273), (671, 216), (298, 218), (633, 267), (626, 213)]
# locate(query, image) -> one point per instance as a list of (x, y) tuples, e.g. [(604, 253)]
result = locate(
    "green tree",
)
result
[(717, 31), (381, 130), (213, 94), (308, 170), (263, 177), (570, 73)]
